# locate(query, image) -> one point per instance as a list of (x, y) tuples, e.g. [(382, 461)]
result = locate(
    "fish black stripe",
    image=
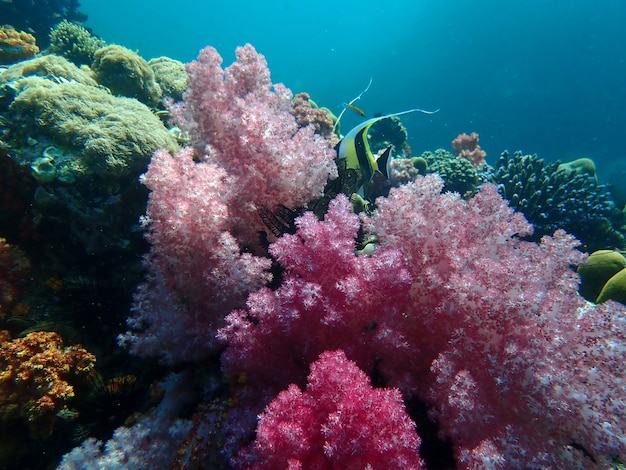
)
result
[(360, 147)]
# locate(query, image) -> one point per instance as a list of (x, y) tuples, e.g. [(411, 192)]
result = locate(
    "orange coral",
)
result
[(16, 45), (466, 146), (33, 378)]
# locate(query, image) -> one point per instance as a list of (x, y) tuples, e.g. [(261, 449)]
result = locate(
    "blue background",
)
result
[(542, 77)]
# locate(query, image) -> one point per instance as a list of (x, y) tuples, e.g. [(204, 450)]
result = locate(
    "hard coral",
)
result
[(16, 45), (552, 198), (340, 421), (125, 73), (35, 376), (74, 42)]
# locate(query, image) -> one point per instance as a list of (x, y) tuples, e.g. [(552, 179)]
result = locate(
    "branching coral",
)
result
[(551, 199)]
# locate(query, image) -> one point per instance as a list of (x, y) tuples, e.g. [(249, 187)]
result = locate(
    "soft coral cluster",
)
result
[(340, 421), (329, 299), (455, 310), (247, 153), (237, 119)]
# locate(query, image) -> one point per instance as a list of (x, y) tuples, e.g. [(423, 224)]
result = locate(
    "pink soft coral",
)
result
[(240, 121), (202, 213), (196, 270), (340, 421)]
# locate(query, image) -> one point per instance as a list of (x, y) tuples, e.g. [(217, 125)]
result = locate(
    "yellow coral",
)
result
[(16, 45)]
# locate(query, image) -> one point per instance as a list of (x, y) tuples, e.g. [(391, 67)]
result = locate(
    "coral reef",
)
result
[(126, 73), (431, 319), (39, 16), (16, 45), (35, 376), (340, 421), (466, 146), (74, 42), (551, 199)]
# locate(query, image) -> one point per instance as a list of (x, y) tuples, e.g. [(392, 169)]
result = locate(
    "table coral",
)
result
[(35, 375)]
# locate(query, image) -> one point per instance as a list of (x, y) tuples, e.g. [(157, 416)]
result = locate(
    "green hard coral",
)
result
[(599, 267), (614, 289), (458, 174), (551, 198), (125, 73)]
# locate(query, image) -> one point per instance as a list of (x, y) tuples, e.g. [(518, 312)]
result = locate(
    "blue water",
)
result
[(542, 77)]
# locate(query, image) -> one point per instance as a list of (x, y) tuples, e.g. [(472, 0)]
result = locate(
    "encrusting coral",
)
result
[(35, 379), (16, 45)]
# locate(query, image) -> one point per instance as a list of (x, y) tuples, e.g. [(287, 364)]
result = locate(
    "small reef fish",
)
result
[(355, 149), (356, 109)]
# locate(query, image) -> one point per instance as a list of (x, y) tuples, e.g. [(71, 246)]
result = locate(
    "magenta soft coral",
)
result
[(340, 421), (329, 298), (455, 310)]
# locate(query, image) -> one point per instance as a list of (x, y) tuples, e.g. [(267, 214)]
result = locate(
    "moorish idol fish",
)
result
[(355, 149)]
